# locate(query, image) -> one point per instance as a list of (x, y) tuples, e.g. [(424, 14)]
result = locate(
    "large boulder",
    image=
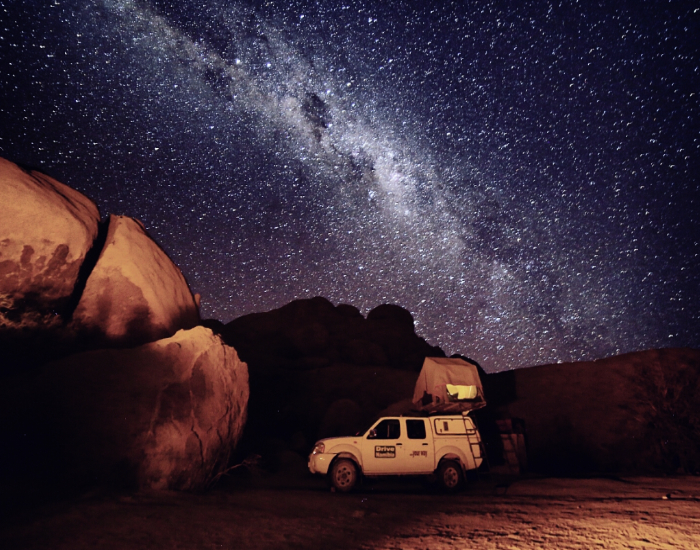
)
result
[(166, 415), (135, 293), (46, 231)]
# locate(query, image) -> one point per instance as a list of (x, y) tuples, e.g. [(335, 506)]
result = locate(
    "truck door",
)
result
[(382, 447), (418, 451)]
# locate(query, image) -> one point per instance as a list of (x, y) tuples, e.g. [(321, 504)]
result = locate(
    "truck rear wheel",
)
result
[(343, 475), (450, 476)]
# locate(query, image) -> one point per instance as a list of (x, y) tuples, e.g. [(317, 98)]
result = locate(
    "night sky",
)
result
[(521, 176)]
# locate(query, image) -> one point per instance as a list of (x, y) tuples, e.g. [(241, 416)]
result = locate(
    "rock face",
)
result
[(165, 415), (46, 230), (135, 293), (638, 412)]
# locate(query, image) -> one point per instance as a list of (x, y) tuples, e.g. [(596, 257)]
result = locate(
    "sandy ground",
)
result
[(262, 513)]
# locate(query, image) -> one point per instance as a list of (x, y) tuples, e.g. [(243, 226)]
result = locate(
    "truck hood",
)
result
[(331, 442)]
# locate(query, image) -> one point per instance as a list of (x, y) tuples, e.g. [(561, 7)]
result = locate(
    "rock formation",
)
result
[(308, 334), (165, 415), (309, 360), (318, 370), (135, 293), (169, 413), (636, 412), (46, 231)]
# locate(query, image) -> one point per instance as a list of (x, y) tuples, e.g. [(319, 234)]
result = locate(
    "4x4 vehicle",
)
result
[(446, 445)]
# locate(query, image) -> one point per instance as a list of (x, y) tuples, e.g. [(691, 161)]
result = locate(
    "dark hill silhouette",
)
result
[(317, 370)]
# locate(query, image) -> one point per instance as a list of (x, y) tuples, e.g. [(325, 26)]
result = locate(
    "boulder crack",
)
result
[(86, 268)]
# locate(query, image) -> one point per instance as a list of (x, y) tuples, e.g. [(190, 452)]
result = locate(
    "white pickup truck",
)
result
[(446, 445)]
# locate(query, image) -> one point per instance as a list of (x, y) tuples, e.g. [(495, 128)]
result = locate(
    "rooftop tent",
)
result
[(448, 385)]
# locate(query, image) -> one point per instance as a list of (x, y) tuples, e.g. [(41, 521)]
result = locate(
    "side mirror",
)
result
[(372, 434)]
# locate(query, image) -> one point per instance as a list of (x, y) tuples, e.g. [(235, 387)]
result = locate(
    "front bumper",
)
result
[(319, 463)]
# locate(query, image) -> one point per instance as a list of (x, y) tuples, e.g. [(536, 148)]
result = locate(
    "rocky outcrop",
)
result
[(166, 415), (135, 293), (46, 231), (310, 361), (636, 412)]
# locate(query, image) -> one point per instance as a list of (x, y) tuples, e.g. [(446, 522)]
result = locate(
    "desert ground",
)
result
[(270, 512)]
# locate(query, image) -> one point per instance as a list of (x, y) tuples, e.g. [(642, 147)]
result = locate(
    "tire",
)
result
[(450, 476), (343, 475)]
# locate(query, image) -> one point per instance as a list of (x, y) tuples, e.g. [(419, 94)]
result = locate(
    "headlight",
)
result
[(320, 448)]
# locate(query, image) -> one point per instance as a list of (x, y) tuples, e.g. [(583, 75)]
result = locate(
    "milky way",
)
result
[(522, 177)]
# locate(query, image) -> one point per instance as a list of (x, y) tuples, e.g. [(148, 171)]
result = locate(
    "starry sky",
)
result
[(521, 176)]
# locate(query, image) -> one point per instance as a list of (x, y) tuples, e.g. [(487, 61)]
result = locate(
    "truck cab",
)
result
[(446, 444)]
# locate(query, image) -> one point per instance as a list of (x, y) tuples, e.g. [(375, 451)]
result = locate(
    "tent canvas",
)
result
[(448, 384)]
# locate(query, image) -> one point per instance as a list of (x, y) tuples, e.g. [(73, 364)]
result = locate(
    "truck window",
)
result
[(450, 425), (386, 429), (415, 429)]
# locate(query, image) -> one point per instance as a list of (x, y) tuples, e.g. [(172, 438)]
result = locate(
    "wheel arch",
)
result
[(452, 454), (349, 455)]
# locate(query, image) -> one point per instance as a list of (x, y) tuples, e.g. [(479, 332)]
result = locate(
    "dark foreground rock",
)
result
[(309, 334)]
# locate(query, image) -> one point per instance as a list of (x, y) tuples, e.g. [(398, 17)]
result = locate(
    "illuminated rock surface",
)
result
[(135, 293), (166, 415), (46, 230)]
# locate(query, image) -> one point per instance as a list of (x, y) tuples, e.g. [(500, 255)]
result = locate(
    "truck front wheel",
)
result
[(450, 476), (343, 475)]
